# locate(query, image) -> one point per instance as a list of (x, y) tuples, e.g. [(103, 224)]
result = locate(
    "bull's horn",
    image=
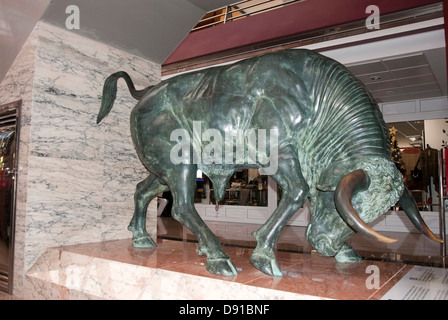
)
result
[(409, 206), (349, 185)]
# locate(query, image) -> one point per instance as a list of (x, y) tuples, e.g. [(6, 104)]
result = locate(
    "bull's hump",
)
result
[(254, 93)]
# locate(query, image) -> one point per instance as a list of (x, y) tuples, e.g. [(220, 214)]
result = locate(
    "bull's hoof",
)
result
[(347, 254), (143, 241), (266, 263), (221, 266)]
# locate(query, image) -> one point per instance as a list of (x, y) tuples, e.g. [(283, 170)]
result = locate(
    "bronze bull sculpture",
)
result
[(327, 134)]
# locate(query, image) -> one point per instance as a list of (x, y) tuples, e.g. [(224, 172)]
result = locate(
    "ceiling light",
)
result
[(414, 138), (376, 78)]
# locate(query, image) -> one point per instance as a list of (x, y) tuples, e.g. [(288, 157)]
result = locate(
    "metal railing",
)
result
[(239, 10)]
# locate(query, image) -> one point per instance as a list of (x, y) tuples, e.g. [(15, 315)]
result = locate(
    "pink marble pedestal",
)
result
[(173, 270)]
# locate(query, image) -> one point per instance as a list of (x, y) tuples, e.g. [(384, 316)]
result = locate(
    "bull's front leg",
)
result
[(182, 185), (145, 191), (295, 192)]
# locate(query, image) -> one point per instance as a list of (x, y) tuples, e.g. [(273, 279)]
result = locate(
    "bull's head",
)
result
[(345, 202)]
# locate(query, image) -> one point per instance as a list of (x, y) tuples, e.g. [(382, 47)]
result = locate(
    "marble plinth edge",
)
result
[(64, 275)]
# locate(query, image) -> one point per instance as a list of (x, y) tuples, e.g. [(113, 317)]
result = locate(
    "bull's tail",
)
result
[(110, 93)]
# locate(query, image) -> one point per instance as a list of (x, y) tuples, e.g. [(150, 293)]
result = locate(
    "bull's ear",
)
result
[(330, 177)]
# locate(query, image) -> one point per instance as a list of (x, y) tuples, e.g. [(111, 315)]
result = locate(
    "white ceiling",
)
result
[(17, 20), (397, 64), (415, 76), (148, 28)]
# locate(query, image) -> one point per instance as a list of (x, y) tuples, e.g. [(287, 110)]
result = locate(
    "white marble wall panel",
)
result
[(53, 179), (67, 85), (76, 178), (75, 160), (61, 222)]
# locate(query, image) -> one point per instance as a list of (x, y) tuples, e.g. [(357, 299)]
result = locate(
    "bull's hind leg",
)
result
[(295, 191), (182, 186), (146, 190)]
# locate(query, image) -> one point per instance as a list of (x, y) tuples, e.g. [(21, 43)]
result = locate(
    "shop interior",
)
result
[(245, 188), (417, 159)]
